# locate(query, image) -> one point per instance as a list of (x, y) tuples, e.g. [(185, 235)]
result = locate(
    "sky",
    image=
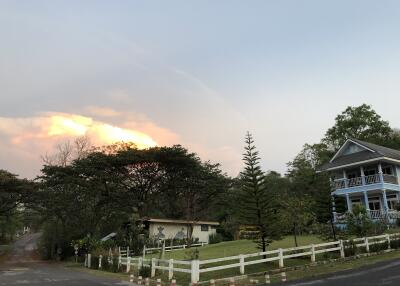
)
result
[(196, 73)]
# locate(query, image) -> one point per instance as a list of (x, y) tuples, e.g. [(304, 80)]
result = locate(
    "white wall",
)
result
[(170, 230)]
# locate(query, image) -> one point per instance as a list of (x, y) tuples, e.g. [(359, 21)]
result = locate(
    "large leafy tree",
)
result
[(257, 202), (13, 193), (361, 122)]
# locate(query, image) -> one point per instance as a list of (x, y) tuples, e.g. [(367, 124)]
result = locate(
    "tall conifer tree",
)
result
[(257, 204)]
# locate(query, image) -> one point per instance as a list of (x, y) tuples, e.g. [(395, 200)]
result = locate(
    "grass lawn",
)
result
[(332, 267), (232, 248), (3, 250)]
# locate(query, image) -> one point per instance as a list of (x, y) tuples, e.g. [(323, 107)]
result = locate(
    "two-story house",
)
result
[(366, 174)]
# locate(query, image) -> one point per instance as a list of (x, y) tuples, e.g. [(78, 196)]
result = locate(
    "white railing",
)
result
[(367, 180), (170, 248), (196, 267), (372, 179), (373, 214)]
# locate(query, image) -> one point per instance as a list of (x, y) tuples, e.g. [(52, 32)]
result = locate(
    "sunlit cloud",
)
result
[(25, 139)]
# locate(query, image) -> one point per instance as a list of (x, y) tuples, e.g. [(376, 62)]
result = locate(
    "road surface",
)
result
[(21, 267), (383, 273)]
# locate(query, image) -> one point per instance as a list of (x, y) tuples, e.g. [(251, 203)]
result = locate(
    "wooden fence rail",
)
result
[(196, 267)]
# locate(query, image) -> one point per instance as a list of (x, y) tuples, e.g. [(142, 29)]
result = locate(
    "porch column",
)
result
[(362, 175), (380, 172), (333, 208), (385, 202), (346, 184), (349, 205), (366, 201)]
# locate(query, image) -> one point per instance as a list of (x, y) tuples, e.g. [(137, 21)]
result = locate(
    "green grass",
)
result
[(3, 251), (332, 267), (232, 248)]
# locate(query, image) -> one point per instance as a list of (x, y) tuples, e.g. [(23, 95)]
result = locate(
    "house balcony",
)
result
[(366, 183)]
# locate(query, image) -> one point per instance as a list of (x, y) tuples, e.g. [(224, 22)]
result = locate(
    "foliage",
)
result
[(215, 238), (361, 122), (13, 193), (258, 205), (110, 188), (358, 223), (192, 253)]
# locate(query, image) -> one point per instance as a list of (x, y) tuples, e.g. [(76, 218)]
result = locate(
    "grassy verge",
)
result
[(232, 248), (78, 267), (3, 251), (332, 267)]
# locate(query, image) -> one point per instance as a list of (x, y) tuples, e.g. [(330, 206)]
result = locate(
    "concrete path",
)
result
[(383, 273), (21, 267)]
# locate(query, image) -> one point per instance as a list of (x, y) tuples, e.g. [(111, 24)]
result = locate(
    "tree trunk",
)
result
[(295, 234), (333, 228)]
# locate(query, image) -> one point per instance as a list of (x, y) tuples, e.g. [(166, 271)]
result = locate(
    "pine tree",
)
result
[(257, 204)]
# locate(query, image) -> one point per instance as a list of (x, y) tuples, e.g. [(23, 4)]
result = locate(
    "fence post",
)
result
[(241, 260), (100, 259), (89, 261), (388, 240), (128, 264), (281, 258), (153, 267), (195, 271), (366, 243), (312, 253), (119, 260), (283, 276), (144, 251), (267, 279), (127, 252), (341, 244), (140, 263), (170, 269)]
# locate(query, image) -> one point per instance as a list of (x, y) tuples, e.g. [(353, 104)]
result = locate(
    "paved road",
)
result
[(384, 273), (23, 268)]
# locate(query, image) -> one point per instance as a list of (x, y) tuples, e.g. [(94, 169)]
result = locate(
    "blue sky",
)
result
[(199, 73)]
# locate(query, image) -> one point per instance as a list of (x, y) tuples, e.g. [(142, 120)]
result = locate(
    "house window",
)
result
[(392, 202), (374, 204), (204, 227), (370, 172), (387, 170)]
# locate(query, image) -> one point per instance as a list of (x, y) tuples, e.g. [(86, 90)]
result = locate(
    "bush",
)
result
[(358, 223), (215, 238), (378, 247), (350, 248), (145, 271)]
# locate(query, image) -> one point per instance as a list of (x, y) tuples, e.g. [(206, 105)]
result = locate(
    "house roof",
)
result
[(371, 152), (178, 221)]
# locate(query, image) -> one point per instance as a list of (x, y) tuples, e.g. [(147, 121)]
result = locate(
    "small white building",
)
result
[(177, 229)]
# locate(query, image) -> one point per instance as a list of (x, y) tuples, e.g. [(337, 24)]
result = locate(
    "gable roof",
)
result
[(178, 221), (372, 152)]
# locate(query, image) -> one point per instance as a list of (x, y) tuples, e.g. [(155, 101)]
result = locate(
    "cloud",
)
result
[(24, 140)]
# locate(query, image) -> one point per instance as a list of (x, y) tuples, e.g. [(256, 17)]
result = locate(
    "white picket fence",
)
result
[(170, 248), (196, 267)]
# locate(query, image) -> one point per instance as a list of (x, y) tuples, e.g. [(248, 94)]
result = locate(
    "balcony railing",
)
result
[(373, 214), (364, 180)]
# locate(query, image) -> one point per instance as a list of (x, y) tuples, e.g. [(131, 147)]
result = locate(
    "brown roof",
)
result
[(178, 221)]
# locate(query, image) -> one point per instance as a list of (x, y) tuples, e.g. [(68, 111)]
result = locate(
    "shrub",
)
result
[(358, 223), (215, 238), (378, 247), (145, 271)]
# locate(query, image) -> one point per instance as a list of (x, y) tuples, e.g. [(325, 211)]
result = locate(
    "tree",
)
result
[(363, 123), (257, 202), (297, 213), (12, 195)]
